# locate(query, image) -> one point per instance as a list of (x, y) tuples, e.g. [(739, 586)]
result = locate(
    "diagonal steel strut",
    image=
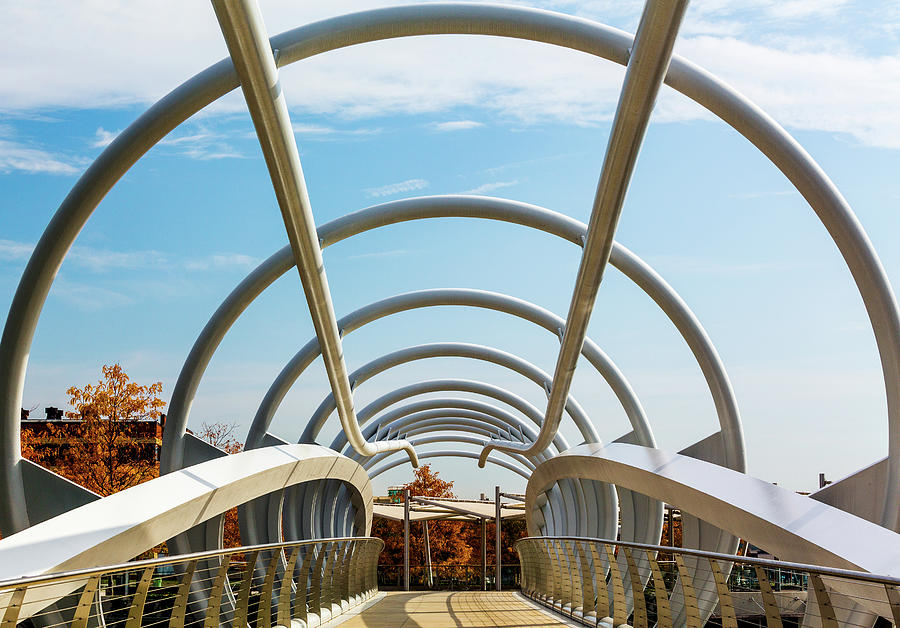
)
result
[(248, 44), (647, 67)]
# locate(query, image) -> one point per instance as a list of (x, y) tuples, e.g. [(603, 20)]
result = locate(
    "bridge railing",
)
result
[(611, 583), (261, 586)]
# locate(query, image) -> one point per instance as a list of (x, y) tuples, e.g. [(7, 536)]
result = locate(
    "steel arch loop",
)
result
[(536, 25), (444, 350), (450, 297)]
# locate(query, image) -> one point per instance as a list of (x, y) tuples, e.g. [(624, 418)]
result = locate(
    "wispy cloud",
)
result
[(396, 188), (223, 261), (17, 156), (490, 187), (104, 260), (457, 125), (90, 298), (11, 251), (755, 195), (380, 254), (670, 264), (323, 132)]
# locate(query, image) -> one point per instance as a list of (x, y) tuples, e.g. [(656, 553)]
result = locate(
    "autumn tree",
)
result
[(446, 538), (107, 451)]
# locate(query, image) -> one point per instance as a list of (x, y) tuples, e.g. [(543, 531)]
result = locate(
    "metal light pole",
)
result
[(484, 554), (498, 584), (406, 539)]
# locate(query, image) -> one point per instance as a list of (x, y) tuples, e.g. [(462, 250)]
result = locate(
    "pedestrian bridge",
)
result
[(594, 510)]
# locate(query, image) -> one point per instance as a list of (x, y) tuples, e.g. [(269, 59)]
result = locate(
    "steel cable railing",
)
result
[(261, 586), (611, 583)]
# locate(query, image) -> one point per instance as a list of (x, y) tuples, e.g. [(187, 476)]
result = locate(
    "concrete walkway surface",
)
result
[(451, 608)]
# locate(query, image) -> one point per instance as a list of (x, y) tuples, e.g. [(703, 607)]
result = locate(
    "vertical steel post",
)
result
[(484, 554), (406, 539), (497, 551)]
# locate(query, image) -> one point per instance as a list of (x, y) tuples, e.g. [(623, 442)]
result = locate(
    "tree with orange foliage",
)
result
[(107, 452), (446, 538), (221, 435)]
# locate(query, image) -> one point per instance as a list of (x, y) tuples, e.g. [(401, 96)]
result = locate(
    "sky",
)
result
[(467, 115)]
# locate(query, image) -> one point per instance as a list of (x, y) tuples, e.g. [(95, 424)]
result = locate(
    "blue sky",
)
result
[(468, 115)]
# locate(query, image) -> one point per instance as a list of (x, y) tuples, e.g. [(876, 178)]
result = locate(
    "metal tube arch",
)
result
[(451, 297), (578, 34), (425, 455), (588, 511), (443, 350)]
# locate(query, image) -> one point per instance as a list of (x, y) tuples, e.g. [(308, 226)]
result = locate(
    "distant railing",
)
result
[(610, 583), (448, 577), (260, 586)]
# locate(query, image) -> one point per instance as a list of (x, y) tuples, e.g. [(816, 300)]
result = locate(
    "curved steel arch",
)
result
[(592, 506), (435, 411), (451, 454), (445, 350), (445, 385), (605, 514), (450, 297)]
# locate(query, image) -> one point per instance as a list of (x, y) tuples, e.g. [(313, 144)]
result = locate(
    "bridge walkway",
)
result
[(444, 609)]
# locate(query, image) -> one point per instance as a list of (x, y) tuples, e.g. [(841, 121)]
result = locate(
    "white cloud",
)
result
[(223, 261), (89, 297), (101, 260), (490, 187), (457, 125), (380, 254), (322, 132), (847, 92), (11, 251), (104, 260), (103, 138), (396, 188), (18, 157)]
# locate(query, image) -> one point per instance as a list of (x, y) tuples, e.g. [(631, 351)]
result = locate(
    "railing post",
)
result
[(264, 617), (304, 580), (637, 590), (83, 610), (285, 594), (826, 610), (406, 539), (136, 612), (726, 607), (620, 608), (773, 613), (588, 594), (242, 609), (315, 588), (11, 615), (663, 608), (600, 581), (691, 608), (179, 608)]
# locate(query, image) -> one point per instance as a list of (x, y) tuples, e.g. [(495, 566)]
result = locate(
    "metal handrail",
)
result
[(168, 560), (747, 560)]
